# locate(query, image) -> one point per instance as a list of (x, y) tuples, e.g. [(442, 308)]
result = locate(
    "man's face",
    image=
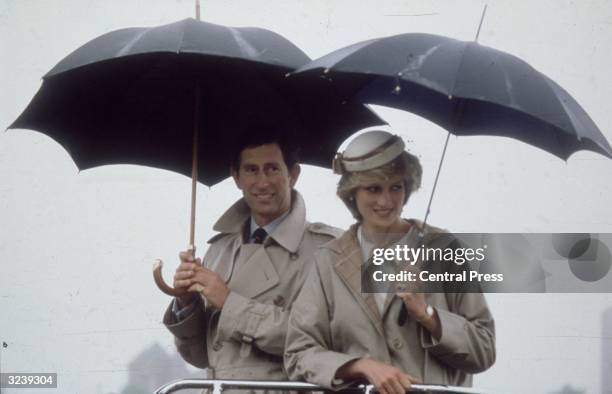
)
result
[(265, 181)]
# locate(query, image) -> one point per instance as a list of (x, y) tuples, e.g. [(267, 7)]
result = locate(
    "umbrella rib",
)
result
[(465, 48), (180, 43), (125, 50), (576, 123)]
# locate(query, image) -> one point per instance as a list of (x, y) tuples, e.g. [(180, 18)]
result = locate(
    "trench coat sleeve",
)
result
[(468, 334), (254, 323), (190, 335), (307, 354)]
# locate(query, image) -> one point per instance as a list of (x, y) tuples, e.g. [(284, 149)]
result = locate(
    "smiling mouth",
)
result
[(264, 196), (383, 212)]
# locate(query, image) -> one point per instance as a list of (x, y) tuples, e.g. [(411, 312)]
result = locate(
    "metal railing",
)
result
[(218, 386)]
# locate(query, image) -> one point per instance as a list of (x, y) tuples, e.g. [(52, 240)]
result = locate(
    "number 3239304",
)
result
[(32, 380)]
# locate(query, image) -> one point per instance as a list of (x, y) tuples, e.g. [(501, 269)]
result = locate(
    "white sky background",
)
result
[(76, 293)]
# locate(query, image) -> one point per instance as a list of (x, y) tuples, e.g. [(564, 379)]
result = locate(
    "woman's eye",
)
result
[(373, 189), (397, 188)]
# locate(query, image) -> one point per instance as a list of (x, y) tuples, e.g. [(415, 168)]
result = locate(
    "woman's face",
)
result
[(380, 203)]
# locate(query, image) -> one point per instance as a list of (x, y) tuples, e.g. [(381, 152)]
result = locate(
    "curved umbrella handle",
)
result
[(159, 280)]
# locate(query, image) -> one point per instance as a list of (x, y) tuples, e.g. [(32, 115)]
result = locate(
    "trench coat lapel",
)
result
[(290, 231), (255, 272), (348, 268), (224, 264)]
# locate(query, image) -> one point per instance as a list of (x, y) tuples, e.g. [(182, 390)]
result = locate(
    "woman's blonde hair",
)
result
[(406, 165)]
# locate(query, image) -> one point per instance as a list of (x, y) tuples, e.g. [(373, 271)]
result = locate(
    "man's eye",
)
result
[(250, 170), (273, 169)]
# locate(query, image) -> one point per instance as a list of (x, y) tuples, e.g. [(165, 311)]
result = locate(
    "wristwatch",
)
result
[(429, 314)]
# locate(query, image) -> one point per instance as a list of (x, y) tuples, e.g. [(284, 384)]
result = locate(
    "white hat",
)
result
[(369, 150)]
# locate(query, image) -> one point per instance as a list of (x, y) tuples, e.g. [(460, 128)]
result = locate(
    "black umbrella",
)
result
[(466, 88), (165, 95), (127, 97)]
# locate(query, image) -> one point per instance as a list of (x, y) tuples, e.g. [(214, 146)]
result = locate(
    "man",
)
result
[(253, 269)]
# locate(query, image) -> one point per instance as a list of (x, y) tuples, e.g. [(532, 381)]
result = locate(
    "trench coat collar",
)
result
[(349, 265), (287, 234), (348, 240)]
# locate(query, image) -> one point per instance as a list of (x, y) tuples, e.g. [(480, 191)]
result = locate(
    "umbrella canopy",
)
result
[(464, 87), (133, 96)]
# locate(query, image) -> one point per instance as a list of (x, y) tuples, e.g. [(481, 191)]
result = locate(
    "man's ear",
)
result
[(294, 174), (236, 176)]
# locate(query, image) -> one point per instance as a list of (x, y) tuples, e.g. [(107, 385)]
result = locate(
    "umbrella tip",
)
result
[(484, 11)]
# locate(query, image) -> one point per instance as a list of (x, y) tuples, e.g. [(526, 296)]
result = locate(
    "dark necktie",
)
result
[(259, 235)]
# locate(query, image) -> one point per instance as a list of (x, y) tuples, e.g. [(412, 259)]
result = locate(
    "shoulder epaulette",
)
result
[(217, 237), (322, 228)]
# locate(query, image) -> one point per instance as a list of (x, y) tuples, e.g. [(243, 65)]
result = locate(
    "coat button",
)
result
[(217, 346), (397, 343), (294, 256), (279, 300)]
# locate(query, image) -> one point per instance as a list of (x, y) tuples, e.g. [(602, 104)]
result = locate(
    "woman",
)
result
[(337, 333)]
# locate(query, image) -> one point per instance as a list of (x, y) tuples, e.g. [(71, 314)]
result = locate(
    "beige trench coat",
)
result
[(245, 340), (332, 323)]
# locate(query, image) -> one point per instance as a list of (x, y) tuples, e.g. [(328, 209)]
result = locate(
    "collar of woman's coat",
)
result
[(347, 242)]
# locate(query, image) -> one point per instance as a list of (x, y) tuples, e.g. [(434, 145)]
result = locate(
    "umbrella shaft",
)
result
[(433, 190), (194, 166)]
